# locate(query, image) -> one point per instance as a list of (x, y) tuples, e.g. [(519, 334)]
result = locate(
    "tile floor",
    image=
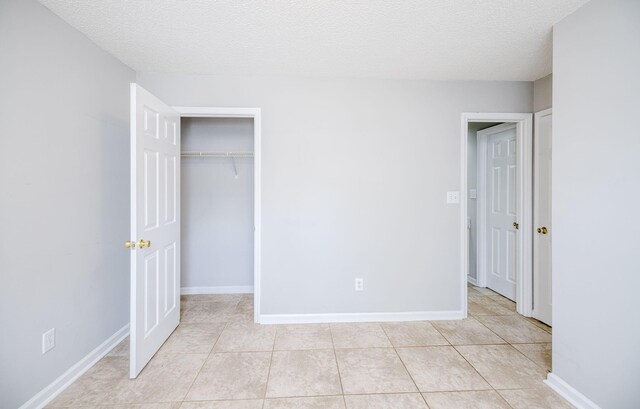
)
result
[(219, 359)]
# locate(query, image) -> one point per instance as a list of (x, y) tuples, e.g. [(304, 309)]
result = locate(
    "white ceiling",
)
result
[(412, 39)]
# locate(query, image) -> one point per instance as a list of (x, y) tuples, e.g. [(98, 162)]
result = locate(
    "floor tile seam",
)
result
[(514, 348), (496, 334), (331, 395), (481, 345), (491, 302), (482, 390), (304, 349), (438, 331), (520, 316), (474, 368), (548, 331), (266, 385), (203, 364), (335, 355), (212, 350), (405, 367), (194, 379), (534, 362)]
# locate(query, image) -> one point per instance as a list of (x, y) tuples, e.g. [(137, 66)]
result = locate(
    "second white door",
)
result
[(542, 217), (501, 209)]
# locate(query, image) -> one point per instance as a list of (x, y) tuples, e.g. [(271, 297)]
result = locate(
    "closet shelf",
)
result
[(205, 154)]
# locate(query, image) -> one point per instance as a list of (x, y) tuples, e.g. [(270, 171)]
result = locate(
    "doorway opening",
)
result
[(220, 232), (217, 205), (496, 206)]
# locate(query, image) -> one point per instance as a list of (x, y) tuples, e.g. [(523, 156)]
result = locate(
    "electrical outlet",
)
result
[(453, 197), (48, 340), (359, 284)]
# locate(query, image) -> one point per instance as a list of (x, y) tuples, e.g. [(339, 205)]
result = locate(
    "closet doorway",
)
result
[(220, 201), (216, 205)]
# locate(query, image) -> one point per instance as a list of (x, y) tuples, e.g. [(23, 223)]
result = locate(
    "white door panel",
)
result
[(155, 210), (542, 217), (501, 196)]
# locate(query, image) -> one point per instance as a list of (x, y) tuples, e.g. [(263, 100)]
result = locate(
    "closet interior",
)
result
[(217, 205)]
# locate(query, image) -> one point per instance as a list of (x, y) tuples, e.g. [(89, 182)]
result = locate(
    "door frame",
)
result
[(255, 113), (524, 157)]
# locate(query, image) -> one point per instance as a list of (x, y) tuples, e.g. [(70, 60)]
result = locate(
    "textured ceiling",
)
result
[(412, 39)]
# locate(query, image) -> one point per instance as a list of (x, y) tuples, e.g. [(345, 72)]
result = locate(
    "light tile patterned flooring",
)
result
[(219, 359)]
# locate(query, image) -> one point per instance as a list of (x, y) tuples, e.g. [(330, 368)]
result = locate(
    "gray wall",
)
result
[(64, 177), (596, 164), (355, 175), (217, 208), (542, 93)]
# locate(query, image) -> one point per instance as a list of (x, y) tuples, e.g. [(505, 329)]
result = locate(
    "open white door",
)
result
[(501, 218), (542, 217), (155, 225)]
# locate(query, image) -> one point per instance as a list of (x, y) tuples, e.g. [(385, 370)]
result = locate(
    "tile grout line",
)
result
[(204, 363), (266, 385), (511, 345), (507, 343), (493, 389), (476, 369), (335, 356), (405, 366)]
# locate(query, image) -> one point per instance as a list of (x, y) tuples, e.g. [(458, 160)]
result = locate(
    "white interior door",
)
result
[(501, 243), (542, 217), (155, 225)]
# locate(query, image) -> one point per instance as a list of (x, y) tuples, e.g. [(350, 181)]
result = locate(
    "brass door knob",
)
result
[(144, 244), (130, 244), (543, 230), (516, 225)]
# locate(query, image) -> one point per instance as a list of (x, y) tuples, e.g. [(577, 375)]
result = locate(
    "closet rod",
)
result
[(217, 154)]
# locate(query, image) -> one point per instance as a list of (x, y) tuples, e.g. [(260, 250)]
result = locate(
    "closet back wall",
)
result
[(217, 207)]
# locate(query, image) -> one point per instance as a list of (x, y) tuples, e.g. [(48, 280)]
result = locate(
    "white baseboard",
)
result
[(47, 394), (360, 317), (236, 289), (569, 393), (472, 280)]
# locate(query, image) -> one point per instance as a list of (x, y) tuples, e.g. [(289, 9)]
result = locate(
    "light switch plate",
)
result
[(453, 197), (473, 194)]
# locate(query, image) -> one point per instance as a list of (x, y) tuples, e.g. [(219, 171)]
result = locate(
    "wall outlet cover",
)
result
[(48, 340), (359, 284)]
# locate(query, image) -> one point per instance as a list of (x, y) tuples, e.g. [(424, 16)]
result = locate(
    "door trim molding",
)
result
[(524, 135), (255, 113)]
